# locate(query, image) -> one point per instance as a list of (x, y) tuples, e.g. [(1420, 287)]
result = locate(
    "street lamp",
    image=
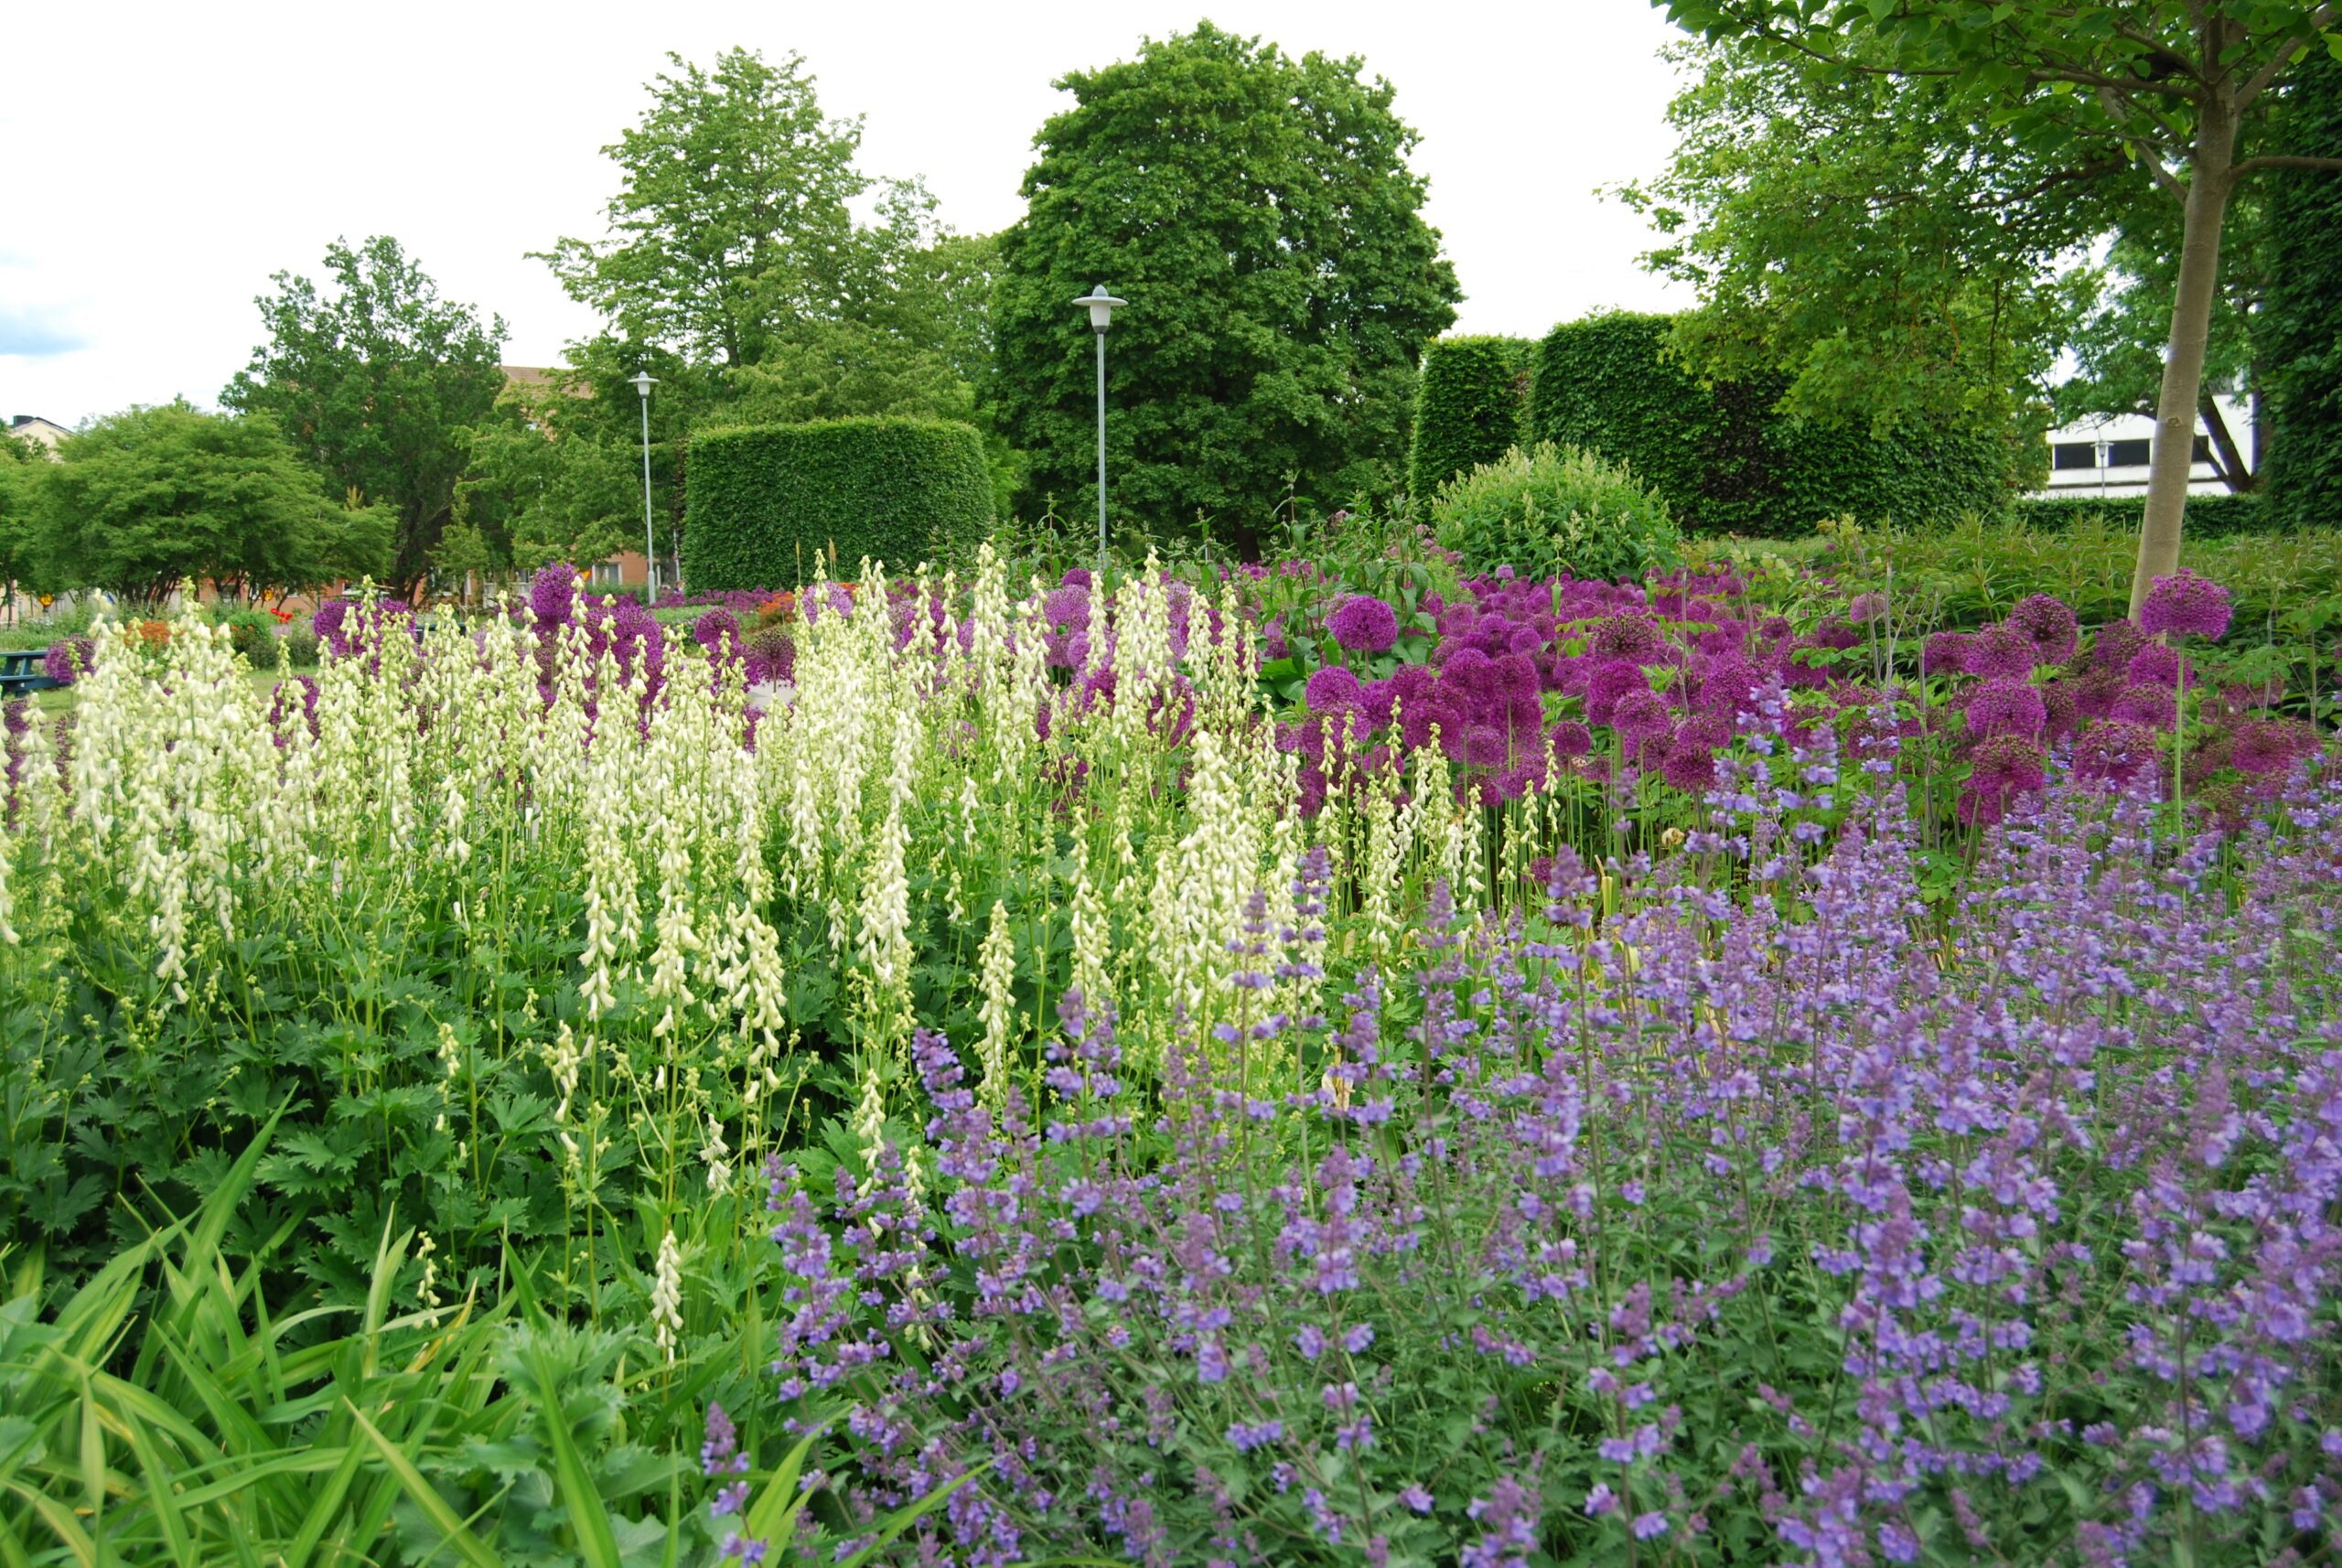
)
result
[(642, 381), (1102, 310)]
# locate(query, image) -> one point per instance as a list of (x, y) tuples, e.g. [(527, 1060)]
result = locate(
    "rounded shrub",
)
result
[(1554, 510), (765, 503), (253, 634)]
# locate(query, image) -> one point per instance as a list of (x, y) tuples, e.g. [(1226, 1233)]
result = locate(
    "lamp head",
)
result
[(1102, 307), (642, 381)]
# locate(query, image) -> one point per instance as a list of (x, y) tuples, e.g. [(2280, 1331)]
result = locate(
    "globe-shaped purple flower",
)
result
[(1633, 637), (553, 593), (1364, 625), (1640, 716), (2001, 650), (2113, 752), (2156, 664), (2266, 746), (2007, 706), (2185, 603), (67, 660), (1609, 683), (2003, 767), (1571, 738), (1690, 768), (1945, 653), (1332, 690), (2153, 706), (2049, 624)]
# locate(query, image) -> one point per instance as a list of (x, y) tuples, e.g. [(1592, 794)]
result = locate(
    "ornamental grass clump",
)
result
[(1683, 1229)]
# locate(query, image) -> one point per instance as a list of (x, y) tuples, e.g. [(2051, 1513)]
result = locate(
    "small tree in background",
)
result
[(375, 385), (1258, 214), (1471, 407), (149, 498)]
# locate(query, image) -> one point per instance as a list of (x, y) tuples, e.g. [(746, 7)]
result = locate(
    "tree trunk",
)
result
[(2191, 325), (2228, 461)]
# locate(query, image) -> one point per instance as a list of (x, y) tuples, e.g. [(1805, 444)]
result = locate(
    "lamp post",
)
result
[(642, 381), (1102, 310)]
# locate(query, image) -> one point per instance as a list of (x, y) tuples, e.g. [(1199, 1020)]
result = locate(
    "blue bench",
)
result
[(21, 673)]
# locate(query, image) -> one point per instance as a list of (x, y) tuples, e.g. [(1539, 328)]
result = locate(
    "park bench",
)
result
[(21, 673)]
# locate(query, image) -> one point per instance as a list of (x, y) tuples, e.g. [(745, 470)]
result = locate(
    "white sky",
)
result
[(161, 160)]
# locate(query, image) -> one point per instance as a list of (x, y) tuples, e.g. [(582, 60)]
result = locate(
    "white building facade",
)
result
[(2109, 455)]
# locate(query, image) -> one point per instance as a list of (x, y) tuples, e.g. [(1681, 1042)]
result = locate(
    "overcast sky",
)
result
[(164, 160)]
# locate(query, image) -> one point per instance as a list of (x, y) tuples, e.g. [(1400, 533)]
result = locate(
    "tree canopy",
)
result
[(1258, 212), (151, 497), (375, 385)]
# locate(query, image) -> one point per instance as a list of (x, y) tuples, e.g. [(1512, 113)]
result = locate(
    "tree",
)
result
[(2169, 84), (1258, 212), (1909, 279), (376, 384), (2299, 329), (149, 498), (21, 470)]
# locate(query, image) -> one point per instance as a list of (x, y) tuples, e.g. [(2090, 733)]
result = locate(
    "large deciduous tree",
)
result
[(1258, 214), (2170, 84), (375, 385), (151, 497), (2298, 330)]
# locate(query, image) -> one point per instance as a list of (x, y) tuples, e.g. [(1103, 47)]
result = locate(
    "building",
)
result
[(2107, 455), (42, 433)]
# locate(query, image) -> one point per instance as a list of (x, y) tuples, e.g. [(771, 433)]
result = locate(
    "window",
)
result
[(605, 573), (2128, 453), (2074, 454)]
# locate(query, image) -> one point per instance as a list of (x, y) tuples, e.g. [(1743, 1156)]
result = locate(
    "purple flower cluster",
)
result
[(1776, 1224)]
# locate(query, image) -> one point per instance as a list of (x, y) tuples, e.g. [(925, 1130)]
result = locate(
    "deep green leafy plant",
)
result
[(1552, 510)]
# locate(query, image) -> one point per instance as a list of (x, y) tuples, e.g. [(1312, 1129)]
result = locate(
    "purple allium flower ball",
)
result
[(1484, 746), (2061, 707), (2263, 747), (2156, 664), (1866, 608), (717, 632), (1608, 683), (553, 593), (2001, 650), (2154, 706), (2004, 705), (1332, 689), (1633, 637), (1364, 625), (1945, 653), (1690, 769), (1838, 634), (2049, 624), (2116, 644), (2187, 603), (1571, 738), (2003, 766), (1273, 641), (1076, 577), (68, 660), (2113, 752), (1641, 715), (1066, 606)]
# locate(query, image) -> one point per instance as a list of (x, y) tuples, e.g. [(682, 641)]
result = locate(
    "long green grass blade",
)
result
[(426, 1497), (162, 1497), (597, 1543)]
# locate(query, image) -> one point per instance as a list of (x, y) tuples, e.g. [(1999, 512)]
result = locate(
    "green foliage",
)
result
[(1258, 214), (768, 503), (21, 470), (252, 633), (150, 497), (1553, 511), (2208, 517), (375, 386), (1912, 277), (2300, 325), (1471, 404), (1724, 460)]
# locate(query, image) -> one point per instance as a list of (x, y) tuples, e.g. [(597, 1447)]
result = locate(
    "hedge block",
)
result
[(1471, 408), (764, 502)]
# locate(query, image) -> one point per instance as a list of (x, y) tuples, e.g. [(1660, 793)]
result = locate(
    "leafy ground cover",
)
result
[(1335, 1062)]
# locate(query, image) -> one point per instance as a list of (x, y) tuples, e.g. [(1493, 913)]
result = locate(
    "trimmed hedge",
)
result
[(765, 500), (2298, 330), (2208, 517), (1471, 407), (1724, 461)]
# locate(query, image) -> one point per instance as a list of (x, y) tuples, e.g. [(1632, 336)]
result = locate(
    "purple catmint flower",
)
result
[(2003, 705), (2187, 604), (1332, 690), (2046, 622), (2000, 651), (1364, 625), (720, 1453)]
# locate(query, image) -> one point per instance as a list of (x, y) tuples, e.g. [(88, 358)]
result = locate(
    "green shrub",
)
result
[(1471, 401), (2208, 517), (301, 648), (1724, 462), (2298, 330), (252, 633), (1552, 510), (765, 503)]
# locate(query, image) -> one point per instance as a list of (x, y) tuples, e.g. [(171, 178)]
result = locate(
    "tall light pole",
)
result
[(1102, 310), (642, 381)]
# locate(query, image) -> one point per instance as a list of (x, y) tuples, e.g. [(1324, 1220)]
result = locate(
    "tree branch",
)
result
[(2286, 160)]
